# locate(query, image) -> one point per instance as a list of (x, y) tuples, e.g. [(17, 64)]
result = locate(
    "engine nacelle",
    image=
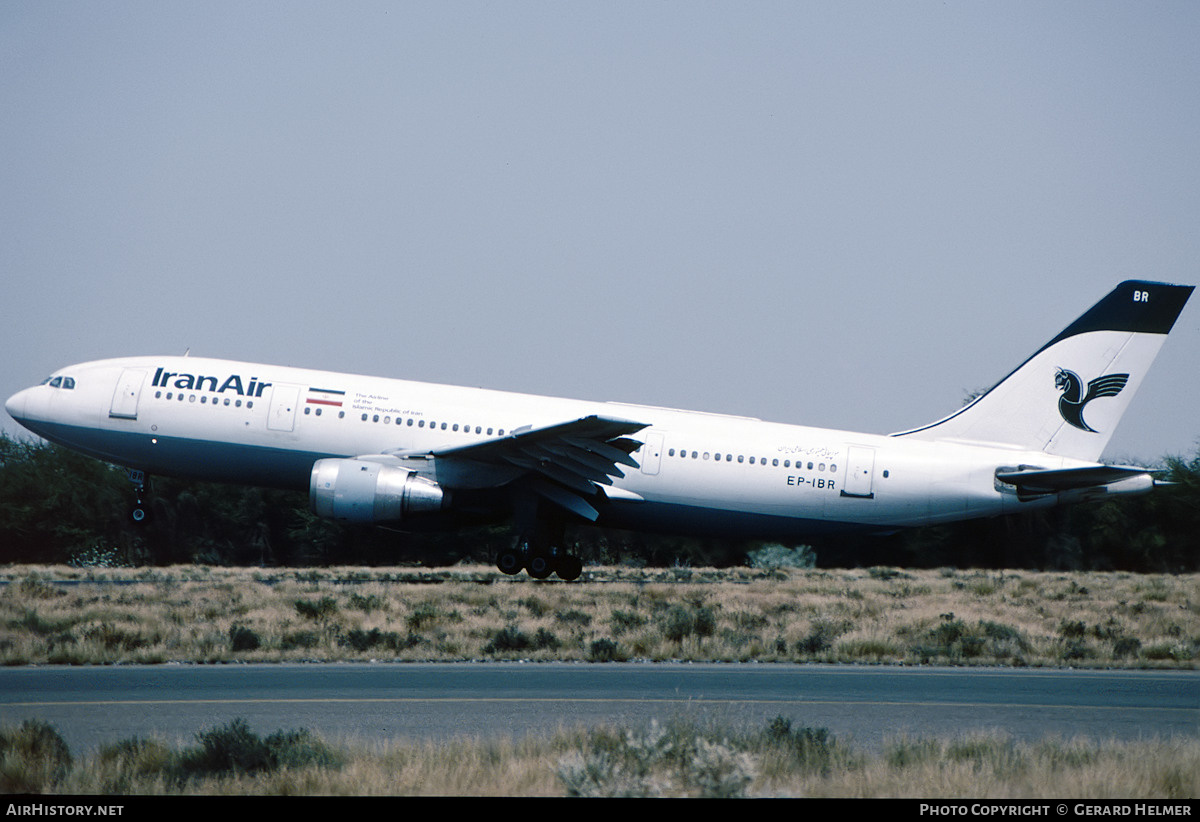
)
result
[(362, 491)]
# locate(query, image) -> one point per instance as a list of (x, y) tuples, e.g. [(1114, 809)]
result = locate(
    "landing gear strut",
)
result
[(140, 512)]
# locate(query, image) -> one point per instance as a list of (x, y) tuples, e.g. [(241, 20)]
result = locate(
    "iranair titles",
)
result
[(200, 382)]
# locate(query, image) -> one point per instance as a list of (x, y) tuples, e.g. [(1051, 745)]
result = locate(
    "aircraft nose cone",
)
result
[(15, 405)]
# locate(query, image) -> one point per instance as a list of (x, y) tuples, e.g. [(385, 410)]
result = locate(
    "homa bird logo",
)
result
[(1073, 400)]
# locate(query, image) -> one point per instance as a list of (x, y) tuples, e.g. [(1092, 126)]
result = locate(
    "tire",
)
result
[(569, 568), (509, 562), (539, 566)]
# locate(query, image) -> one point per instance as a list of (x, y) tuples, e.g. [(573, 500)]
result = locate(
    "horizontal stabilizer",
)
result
[(1050, 481)]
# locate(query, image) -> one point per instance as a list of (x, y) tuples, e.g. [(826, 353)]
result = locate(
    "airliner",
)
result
[(409, 454)]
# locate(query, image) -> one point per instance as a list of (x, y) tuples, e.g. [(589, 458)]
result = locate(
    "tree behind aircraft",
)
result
[(57, 506)]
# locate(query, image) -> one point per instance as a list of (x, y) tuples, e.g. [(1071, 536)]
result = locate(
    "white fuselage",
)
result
[(698, 473)]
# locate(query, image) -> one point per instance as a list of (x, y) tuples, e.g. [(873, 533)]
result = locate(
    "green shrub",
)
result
[(323, 608), (35, 758), (367, 603), (546, 640), (534, 605), (510, 638), (231, 748), (574, 616), (422, 616), (1075, 649), (1126, 646), (1072, 629), (235, 749), (299, 639), (603, 650), (242, 638), (820, 639), (682, 621), (361, 640), (911, 753), (678, 623), (128, 763), (623, 621), (810, 749)]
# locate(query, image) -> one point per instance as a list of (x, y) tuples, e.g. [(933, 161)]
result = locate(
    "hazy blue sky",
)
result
[(840, 214)]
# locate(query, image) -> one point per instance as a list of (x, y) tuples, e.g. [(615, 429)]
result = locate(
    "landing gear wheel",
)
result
[(539, 566), (569, 567), (509, 562)]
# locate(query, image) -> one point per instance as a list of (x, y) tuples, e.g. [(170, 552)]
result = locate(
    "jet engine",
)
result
[(362, 491)]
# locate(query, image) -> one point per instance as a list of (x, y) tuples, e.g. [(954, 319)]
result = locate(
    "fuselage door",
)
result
[(652, 452), (860, 473), (284, 399), (125, 397)]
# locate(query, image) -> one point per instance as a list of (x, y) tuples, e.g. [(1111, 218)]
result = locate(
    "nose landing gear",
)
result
[(139, 514)]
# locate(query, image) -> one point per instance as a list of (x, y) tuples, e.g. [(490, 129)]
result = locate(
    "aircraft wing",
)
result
[(566, 462)]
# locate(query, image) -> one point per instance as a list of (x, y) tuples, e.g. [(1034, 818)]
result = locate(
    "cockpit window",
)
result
[(59, 382)]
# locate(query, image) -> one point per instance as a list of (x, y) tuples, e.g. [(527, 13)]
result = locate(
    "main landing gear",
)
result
[(540, 558), (537, 548)]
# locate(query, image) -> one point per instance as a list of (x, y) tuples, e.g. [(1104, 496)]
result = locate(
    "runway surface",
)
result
[(94, 705)]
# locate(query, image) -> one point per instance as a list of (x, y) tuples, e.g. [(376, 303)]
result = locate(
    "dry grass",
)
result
[(679, 759), (861, 615)]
